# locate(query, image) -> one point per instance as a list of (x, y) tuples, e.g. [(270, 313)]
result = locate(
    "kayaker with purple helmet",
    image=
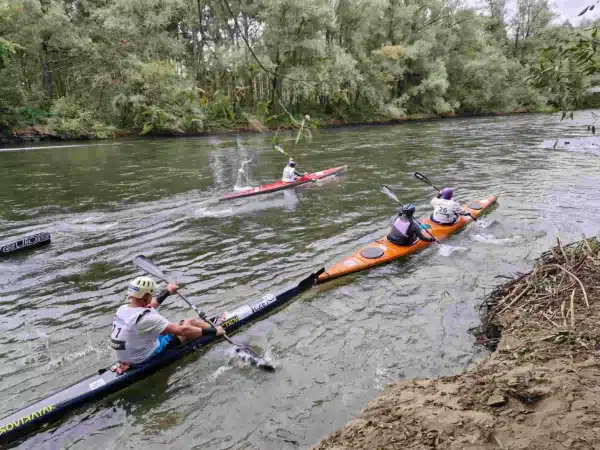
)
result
[(446, 210)]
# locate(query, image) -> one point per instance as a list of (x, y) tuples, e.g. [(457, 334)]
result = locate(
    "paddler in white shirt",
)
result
[(289, 173), (446, 210), (140, 332)]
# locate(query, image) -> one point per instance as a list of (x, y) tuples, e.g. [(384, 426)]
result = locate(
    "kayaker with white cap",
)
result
[(139, 332)]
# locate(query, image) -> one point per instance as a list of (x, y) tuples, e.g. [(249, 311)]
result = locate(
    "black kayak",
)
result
[(106, 381), (27, 242)]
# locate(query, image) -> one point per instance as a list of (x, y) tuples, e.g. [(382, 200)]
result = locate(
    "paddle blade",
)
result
[(149, 267), (420, 176), (246, 354), (387, 191), (280, 149)]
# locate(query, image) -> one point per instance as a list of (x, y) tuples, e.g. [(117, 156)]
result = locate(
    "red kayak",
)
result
[(280, 185)]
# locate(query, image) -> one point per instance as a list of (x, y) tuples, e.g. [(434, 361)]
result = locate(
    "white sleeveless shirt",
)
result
[(289, 174), (133, 341)]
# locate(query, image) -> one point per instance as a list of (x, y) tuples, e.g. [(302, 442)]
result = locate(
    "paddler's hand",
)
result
[(172, 288), (220, 331)]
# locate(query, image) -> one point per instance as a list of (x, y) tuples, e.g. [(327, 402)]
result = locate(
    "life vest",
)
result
[(399, 233)]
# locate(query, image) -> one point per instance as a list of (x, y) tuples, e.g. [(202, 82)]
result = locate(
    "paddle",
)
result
[(424, 179), (280, 149), (149, 267), (387, 191)]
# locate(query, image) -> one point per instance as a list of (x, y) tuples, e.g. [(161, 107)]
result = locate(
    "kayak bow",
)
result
[(383, 251), (281, 185), (27, 242), (106, 381)]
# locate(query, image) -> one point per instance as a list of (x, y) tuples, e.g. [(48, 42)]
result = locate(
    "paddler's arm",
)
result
[(191, 332), (161, 297), (419, 232)]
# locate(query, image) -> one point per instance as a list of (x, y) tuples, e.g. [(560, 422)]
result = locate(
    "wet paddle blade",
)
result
[(387, 191), (246, 354), (420, 176), (149, 267), (424, 179), (280, 149)]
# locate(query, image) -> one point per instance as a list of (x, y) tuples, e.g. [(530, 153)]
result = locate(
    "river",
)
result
[(336, 346)]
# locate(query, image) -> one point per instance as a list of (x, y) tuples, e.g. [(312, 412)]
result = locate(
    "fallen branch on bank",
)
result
[(553, 292)]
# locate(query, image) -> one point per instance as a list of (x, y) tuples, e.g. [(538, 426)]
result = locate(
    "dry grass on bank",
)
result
[(540, 389)]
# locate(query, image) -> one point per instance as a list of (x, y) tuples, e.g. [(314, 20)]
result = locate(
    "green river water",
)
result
[(338, 345)]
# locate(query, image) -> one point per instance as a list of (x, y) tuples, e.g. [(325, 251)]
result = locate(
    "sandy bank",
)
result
[(540, 388)]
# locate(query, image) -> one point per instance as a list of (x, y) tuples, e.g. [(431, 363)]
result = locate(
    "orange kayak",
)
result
[(383, 251)]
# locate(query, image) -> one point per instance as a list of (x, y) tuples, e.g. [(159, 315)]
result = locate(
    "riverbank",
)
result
[(40, 133), (539, 389)]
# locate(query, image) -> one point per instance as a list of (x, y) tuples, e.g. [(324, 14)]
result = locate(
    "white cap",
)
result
[(141, 286)]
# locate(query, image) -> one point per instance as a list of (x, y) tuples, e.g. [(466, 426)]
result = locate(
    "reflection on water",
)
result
[(336, 346)]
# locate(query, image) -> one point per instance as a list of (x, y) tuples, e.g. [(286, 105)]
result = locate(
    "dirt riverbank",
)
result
[(539, 389)]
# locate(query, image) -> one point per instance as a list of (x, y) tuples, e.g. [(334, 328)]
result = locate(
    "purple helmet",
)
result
[(447, 193)]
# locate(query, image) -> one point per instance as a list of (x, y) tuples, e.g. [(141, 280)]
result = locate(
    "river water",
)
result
[(336, 346)]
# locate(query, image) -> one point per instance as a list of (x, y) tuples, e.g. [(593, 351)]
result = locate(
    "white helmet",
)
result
[(140, 287)]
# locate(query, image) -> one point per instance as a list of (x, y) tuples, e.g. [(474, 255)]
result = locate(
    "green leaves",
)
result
[(159, 66)]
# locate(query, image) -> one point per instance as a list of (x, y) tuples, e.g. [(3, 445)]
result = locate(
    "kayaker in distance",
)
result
[(140, 332), (446, 210), (405, 230), (289, 173)]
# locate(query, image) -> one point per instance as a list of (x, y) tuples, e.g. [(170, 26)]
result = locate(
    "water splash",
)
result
[(217, 373), (491, 239), (243, 178), (484, 223), (447, 250), (205, 212)]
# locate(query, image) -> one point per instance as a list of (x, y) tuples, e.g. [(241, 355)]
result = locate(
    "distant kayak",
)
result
[(280, 185), (383, 251), (27, 242)]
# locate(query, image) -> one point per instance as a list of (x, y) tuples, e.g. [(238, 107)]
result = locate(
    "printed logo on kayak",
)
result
[(23, 420), (96, 384), (26, 242), (266, 301), (229, 322)]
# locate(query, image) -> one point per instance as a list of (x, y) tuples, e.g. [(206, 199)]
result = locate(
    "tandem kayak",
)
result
[(280, 185), (383, 251), (106, 381)]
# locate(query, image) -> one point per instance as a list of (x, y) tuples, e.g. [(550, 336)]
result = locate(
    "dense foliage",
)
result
[(154, 66)]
